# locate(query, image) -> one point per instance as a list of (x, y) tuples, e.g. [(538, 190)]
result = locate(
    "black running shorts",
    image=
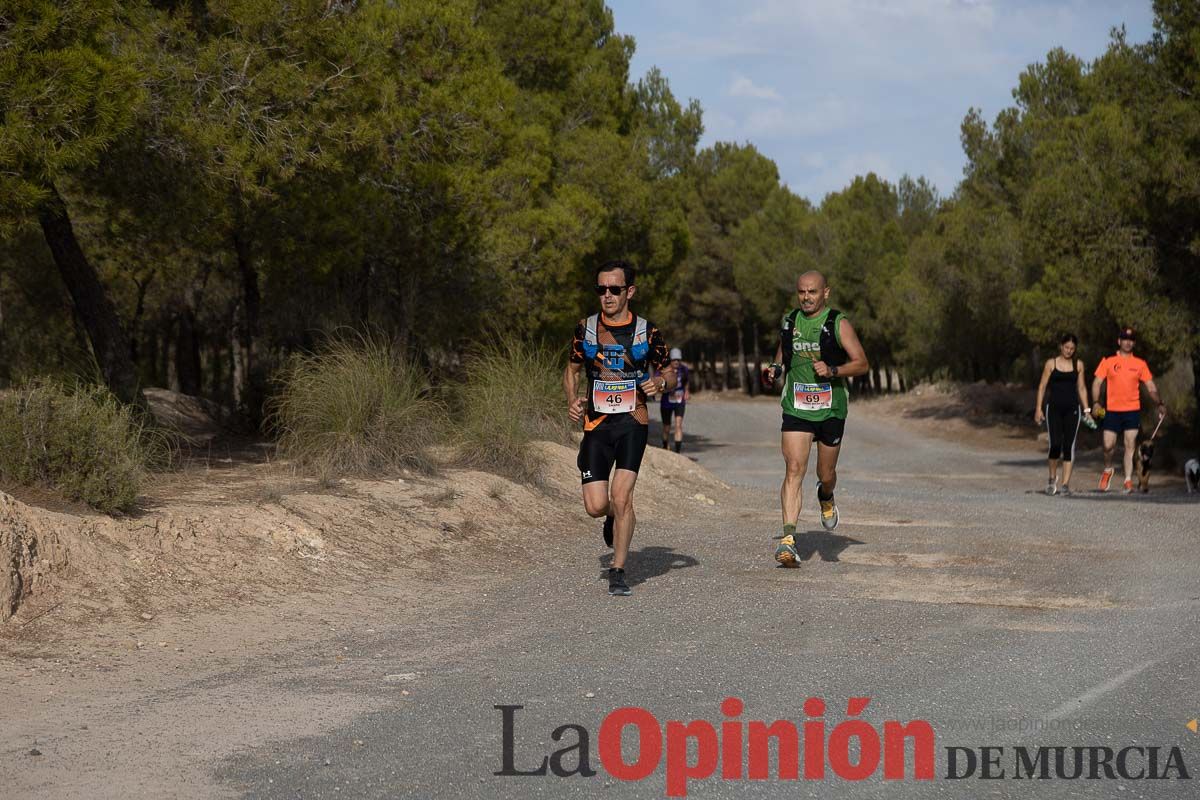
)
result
[(670, 411), (622, 445), (828, 431)]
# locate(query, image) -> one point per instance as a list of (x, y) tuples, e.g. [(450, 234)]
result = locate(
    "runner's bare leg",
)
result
[(797, 446)]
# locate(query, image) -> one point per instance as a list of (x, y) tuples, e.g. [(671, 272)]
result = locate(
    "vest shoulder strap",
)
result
[(832, 352), (589, 330), (785, 337), (639, 330)]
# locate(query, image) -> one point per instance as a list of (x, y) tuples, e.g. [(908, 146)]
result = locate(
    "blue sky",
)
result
[(831, 89)]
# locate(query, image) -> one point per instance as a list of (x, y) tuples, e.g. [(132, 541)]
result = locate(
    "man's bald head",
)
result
[(812, 291), (812, 275)]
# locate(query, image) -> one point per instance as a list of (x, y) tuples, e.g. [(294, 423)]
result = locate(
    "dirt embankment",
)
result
[(979, 413), (214, 536)]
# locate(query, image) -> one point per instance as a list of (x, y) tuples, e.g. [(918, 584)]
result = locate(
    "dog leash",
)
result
[(1156, 427)]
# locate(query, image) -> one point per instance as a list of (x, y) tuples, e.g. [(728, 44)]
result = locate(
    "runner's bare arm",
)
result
[(1152, 390), (767, 374), (1097, 382), (663, 382), (575, 404), (857, 363), (1080, 385), (1047, 368)]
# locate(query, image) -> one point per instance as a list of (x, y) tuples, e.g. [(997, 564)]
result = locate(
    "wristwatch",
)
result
[(833, 371)]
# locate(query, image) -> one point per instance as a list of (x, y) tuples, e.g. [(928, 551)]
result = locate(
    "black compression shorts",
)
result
[(670, 411), (608, 445), (828, 431)]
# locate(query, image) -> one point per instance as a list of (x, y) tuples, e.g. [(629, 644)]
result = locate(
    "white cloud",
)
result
[(820, 179), (678, 44), (744, 87), (820, 117), (720, 125)]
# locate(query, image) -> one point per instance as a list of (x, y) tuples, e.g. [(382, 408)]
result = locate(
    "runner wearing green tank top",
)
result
[(818, 350)]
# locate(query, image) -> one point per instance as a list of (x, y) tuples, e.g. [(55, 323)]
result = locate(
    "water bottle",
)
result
[(1091, 423)]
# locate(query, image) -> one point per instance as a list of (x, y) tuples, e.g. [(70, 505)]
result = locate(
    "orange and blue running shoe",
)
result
[(1106, 478)]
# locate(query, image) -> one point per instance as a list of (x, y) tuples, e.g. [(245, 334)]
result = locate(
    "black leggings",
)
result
[(1062, 423)]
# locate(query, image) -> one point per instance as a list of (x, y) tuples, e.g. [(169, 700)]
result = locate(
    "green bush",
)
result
[(80, 442), (356, 408), (512, 396)]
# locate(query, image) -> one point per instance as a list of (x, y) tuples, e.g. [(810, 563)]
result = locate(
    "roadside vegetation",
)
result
[(510, 398), (357, 407), (78, 441)]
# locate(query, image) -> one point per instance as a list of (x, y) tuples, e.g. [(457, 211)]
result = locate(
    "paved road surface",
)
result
[(950, 593)]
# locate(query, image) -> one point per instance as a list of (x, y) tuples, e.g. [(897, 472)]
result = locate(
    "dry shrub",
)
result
[(80, 442), (512, 397), (358, 407)]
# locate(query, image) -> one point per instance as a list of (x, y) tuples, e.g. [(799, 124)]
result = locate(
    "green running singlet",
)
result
[(804, 394)]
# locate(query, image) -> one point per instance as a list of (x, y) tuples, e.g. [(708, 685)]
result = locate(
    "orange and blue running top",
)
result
[(616, 358)]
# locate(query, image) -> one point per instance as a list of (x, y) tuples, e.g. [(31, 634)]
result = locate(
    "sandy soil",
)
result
[(235, 531)]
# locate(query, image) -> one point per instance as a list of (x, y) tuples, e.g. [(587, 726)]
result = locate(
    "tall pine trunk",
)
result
[(187, 352), (741, 367), (247, 388), (1196, 387), (754, 377), (110, 344)]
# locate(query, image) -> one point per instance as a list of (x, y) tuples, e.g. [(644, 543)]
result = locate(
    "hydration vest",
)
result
[(832, 353), (639, 348)]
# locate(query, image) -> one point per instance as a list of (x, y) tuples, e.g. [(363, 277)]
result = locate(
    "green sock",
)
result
[(789, 529)]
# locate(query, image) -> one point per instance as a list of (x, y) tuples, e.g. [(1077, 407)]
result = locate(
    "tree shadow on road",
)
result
[(692, 442), (1166, 495), (819, 543), (1032, 461), (650, 562)]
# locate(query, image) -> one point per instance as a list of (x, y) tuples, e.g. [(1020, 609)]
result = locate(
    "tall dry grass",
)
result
[(510, 398), (357, 407)]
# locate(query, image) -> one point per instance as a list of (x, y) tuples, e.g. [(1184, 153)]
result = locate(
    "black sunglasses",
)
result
[(600, 290)]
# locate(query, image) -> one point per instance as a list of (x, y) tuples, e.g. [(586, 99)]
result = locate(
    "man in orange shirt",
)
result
[(1124, 373)]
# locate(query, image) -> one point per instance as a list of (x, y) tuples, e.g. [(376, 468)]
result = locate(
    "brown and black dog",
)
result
[(1145, 454)]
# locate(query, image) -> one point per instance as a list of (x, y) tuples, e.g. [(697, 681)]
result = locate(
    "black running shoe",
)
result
[(616, 583), (608, 530)]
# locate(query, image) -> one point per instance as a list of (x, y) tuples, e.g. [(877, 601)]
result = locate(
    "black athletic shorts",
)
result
[(828, 431), (622, 445), (670, 411)]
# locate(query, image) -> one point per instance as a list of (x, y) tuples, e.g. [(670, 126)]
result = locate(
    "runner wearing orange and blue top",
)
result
[(615, 351)]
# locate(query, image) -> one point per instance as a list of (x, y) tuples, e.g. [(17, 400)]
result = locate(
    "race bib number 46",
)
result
[(614, 397), (812, 396)]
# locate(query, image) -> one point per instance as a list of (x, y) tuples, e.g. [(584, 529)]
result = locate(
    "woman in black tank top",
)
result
[(1061, 409)]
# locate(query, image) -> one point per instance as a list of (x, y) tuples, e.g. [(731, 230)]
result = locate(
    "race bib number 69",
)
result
[(614, 397), (812, 396)]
